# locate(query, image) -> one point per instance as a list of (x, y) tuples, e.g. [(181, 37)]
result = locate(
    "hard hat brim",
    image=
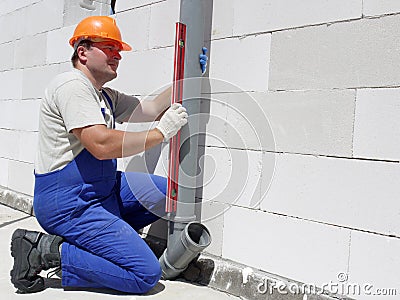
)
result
[(126, 47), (73, 42)]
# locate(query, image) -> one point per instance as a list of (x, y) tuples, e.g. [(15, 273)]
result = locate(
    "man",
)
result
[(87, 206)]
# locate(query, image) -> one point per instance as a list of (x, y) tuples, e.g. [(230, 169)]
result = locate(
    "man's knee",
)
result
[(147, 279)]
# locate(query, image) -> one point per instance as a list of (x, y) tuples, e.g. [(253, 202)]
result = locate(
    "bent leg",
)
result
[(122, 261), (80, 203), (100, 250), (142, 198)]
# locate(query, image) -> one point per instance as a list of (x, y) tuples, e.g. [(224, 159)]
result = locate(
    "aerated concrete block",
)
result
[(28, 142), (374, 266), (6, 119), (58, 48), (8, 6), (28, 115), (10, 140), (35, 23), (4, 172), (380, 7), (270, 15), (293, 248), (27, 112), (312, 122), (232, 176), (135, 26), (20, 19), (13, 81), (214, 120), (7, 56), (343, 55), (213, 218), (30, 51), (222, 19), (248, 126), (227, 63), (244, 182), (163, 16), (268, 169), (21, 177), (217, 173), (377, 124), (352, 193), (36, 79), (11, 26)]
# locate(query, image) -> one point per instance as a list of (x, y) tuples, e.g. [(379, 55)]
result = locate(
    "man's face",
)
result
[(103, 60)]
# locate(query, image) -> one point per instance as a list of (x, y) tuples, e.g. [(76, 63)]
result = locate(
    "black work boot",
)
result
[(33, 252)]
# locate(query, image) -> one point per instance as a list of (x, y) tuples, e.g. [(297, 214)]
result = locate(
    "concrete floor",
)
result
[(11, 219)]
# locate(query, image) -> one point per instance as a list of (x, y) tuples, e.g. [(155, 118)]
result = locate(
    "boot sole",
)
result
[(23, 285)]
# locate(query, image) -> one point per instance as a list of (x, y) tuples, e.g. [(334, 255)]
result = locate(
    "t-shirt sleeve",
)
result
[(124, 105), (78, 106)]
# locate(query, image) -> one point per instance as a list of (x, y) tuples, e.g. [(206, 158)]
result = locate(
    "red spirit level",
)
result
[(174, 144)]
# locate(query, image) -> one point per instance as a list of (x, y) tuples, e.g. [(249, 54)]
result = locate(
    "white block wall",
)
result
[(324, 76), (302, 147), (376, 128)]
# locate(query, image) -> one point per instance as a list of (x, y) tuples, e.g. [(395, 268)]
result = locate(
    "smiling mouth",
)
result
[(113, 66)]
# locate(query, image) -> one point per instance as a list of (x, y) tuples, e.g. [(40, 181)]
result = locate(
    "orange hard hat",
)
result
[(98, 27)]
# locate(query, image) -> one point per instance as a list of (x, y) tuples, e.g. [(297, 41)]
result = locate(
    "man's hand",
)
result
[(172, 120), (203, 60)]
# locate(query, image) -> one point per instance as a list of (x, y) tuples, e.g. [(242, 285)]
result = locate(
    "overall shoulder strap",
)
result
[(108, 100), (111, 106)]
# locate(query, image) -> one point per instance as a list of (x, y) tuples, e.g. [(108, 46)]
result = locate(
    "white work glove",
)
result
[(172, 120)]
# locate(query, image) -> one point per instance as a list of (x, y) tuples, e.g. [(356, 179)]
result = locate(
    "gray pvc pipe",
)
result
[(193, 239), (187, 237)]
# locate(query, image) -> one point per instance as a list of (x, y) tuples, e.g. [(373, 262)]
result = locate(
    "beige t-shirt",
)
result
[(72, 102)]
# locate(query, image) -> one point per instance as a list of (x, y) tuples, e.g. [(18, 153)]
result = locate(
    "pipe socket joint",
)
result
[(194, 238)]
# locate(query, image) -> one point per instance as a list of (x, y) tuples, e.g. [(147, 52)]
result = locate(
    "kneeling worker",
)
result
[(90, 212)]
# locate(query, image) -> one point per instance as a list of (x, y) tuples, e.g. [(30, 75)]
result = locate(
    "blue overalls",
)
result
[(95, 208)]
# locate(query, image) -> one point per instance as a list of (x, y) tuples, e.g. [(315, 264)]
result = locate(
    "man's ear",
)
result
[(81, 51)]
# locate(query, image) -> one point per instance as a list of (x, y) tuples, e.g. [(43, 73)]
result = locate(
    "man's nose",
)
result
[(117, 55)]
